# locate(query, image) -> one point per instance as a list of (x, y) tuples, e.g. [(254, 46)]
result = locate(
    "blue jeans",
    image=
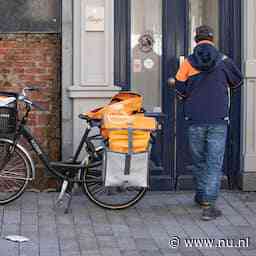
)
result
[(207, 145)]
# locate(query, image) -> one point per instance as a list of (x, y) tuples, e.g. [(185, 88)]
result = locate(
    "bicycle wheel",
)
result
[(15, 170), (109, 198)]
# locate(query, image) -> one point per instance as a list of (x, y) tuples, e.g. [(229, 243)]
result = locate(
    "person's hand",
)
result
[(171, 82)]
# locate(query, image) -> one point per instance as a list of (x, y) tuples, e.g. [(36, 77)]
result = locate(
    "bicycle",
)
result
[(17, 168)]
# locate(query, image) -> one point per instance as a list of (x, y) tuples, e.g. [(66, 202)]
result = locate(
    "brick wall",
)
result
[(35, 59)]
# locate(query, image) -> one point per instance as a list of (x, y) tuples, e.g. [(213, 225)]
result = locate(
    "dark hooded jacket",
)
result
[(205, 78)]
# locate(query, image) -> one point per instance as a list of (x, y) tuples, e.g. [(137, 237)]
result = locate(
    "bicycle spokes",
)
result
[(13, 174), (108, 197)]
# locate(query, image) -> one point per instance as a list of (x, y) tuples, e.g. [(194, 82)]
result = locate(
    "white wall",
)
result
[(93, 63), (248, 178), (67, 76)]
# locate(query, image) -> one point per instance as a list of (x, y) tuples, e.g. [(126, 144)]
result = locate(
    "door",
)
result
[(150, 38), (224, 17), (146, 53), (157, 29), (197, 14)]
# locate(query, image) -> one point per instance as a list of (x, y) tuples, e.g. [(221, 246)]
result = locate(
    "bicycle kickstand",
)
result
[(64, 187), (66, 190), (70, 196)]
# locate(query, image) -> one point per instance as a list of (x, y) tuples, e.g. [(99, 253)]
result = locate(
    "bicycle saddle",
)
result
[(93, 122)]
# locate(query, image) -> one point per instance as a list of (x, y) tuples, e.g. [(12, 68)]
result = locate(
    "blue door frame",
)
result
[(175, 31)]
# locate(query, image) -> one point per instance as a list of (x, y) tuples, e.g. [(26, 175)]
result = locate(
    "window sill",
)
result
[(92, 92)]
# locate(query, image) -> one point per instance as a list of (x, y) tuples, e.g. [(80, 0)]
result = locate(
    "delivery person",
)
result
[(204, 80)]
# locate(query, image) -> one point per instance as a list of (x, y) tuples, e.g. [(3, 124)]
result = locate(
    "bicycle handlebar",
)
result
[(27, 101), (37, 106), (33, 104)]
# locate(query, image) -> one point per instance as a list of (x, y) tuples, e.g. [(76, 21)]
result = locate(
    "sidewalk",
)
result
[(144, 229)]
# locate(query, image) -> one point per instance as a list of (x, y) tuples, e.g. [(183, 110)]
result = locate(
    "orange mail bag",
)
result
[(122, 103), (117, 127)]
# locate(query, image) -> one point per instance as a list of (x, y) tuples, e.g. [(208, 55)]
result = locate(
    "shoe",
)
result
[(201, 203), (211, 213)]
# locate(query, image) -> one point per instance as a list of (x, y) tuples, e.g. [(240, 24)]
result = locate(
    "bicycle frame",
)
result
[(25, 132)]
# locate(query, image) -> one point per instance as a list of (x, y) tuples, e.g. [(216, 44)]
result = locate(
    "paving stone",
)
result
[(69, 253), (8, 248), (173, 226), (223, 220), (162, 243), (115, 217), (49, 253), (150, 253), (230, 252), (29, 249), (14, 206), (29, 218), (248, 253), (121, 230), (65, 219), (84, 230), (157, 229), (29, 202), (66, 231), (229, 231), (103, 229), (82, 219), (10, 229), (126, 243), (167, 252), (98, 217), (89, 243), (29, 253), (46, 221), (48, 246), (193, 230), (191, 253), (69, 245), (47, 216), (210, 252), (107, 242), (232, 215), (48, 230), (246, 231), (32, 235), (110, 252), (130, 253), (145, 244), (91, 253), (11, 217), (210, 230)]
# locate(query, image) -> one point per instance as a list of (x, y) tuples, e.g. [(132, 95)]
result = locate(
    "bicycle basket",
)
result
[(8, 112)]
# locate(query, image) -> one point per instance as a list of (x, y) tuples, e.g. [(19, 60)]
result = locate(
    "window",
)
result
[(203, 12), (146, 51)]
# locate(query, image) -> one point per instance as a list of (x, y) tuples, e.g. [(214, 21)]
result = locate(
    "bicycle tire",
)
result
[(11, 186), (92, 176)]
